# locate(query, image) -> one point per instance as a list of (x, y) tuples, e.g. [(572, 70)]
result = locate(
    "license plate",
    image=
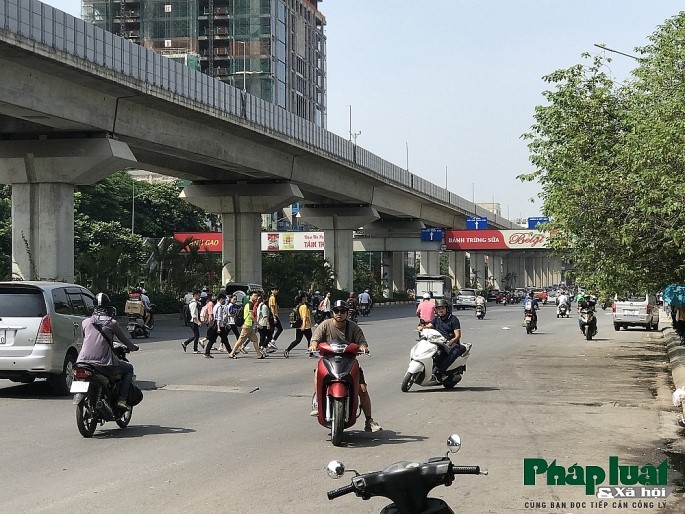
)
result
[(130, 327), (79, 386), (631, 313)]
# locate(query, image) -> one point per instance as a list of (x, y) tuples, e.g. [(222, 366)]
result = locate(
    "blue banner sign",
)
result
[(431, 234), (476, 223), (534, 222)]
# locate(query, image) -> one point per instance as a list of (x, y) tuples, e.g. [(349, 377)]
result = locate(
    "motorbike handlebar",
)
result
[(466, 470), (337, 493)]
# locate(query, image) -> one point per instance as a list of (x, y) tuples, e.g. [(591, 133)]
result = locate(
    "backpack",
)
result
[(295, 318), (240, 316), (186, 313), (203, 314)]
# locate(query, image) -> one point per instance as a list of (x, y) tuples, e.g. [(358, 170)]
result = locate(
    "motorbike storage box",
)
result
[(134, 307)]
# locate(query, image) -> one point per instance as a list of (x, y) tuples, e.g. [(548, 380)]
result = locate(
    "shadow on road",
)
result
[(140, 431), (456, 389), (38, 390), (361, 439)]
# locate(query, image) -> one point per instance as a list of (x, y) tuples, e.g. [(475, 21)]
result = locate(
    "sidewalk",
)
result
[(676, 357)]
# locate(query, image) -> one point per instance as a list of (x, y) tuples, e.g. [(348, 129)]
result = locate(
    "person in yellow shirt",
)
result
[(305, 329), (247, 332), (277, 328)]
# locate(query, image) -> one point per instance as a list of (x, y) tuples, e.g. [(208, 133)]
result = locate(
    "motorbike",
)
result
[(95, 396), (406, 483), (365, 309), (136, 319), (480, 311), (588, 323), (420, 369), (353, 314), (563, 311), (528, 321), (337, 395)]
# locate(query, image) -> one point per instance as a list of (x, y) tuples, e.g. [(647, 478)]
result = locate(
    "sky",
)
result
[(447, 87)]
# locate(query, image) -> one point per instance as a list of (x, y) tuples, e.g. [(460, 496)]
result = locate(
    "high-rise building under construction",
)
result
[(273, 49)]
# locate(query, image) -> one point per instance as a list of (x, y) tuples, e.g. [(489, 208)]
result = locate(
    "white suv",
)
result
[(40, 331), (635, 310)]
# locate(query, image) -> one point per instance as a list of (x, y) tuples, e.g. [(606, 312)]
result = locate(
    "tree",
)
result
[(610, 160)]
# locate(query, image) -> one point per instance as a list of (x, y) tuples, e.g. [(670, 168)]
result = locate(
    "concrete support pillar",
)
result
[(529, 270), (241, 207), (430, 263), (456, 262), (338, 223), (43, 231), (392, 272), (43, 174)]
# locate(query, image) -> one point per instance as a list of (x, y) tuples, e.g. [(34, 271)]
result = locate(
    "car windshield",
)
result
[(22, 302), (467, 292), (631, 297)]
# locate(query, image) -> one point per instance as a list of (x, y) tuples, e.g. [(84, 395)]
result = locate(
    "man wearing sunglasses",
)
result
[(339, 327)]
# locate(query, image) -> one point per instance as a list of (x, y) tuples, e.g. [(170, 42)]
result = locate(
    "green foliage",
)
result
[(295, 271), (610, 159), (5, 232)]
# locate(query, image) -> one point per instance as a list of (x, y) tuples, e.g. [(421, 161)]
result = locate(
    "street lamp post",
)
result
[(353, 135), (244, 64)]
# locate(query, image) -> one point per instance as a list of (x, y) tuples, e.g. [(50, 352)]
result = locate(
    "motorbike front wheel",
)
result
[(125, 419), (86, 421), (407, 382), (529, 329), (338, 421)]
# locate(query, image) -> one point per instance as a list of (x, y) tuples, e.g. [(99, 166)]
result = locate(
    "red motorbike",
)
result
[(337, 392)]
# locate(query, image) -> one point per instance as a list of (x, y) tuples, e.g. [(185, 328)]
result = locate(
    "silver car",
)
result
[(40, 331), (631, 310), (465, 298)]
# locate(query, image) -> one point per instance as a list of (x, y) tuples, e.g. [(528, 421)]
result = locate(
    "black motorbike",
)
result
[(406, 483), (96, 393), (588, 323)]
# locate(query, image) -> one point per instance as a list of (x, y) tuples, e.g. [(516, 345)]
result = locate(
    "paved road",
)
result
[(205, 439)]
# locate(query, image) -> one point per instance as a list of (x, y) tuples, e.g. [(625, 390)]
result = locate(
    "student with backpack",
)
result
[(265, 323), (301, 321)]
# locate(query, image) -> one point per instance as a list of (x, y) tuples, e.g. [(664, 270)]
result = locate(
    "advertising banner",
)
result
[(271, 241), (495, 239)]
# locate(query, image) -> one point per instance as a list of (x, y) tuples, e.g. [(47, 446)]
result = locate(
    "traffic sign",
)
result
[(431, 234), (534, 222), (476, 223)]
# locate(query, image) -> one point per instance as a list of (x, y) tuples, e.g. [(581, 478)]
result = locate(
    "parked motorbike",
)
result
[(337, 394), (406, 483), (420, 369), (588, 323), (529, 321), (563, 310), (96, 393), (480, 311)]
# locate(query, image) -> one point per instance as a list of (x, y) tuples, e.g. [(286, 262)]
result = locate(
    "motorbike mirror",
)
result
[(335, 469), (454, 443)]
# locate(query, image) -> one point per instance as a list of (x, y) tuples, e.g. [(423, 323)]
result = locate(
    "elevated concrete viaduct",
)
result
[(78, 103)]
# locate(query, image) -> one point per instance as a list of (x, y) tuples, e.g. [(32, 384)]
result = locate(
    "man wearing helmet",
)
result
[(339, 327), (449, 327), (98, 337)]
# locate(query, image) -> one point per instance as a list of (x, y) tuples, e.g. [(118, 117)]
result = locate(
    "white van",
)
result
[(630, 310)]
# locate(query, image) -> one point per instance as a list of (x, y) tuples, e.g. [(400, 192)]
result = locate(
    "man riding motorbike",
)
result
[(98, 337), (335, 328), (530, 303), (587, 303), (450, 328), (563, 299), (480, 300)]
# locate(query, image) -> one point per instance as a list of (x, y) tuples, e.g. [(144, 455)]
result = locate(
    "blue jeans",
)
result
[(450, 355)]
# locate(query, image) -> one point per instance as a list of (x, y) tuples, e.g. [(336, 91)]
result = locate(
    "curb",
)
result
[(676, 357)]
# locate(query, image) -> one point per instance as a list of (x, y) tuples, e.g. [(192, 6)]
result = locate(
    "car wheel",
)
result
[(617, 327), (61, 384), (648, 327), (655, 326)]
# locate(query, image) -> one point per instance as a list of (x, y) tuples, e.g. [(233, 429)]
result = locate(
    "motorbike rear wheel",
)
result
[(124, 420), (588, 333), (407, 382), (338, 421), (86, 421)]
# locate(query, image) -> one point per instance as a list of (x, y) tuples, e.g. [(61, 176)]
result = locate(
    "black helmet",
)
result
[(441, 302), (102, 301), (340, 304)]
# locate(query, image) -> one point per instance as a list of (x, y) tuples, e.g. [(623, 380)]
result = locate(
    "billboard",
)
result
[(495, 239), (271, 241)]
